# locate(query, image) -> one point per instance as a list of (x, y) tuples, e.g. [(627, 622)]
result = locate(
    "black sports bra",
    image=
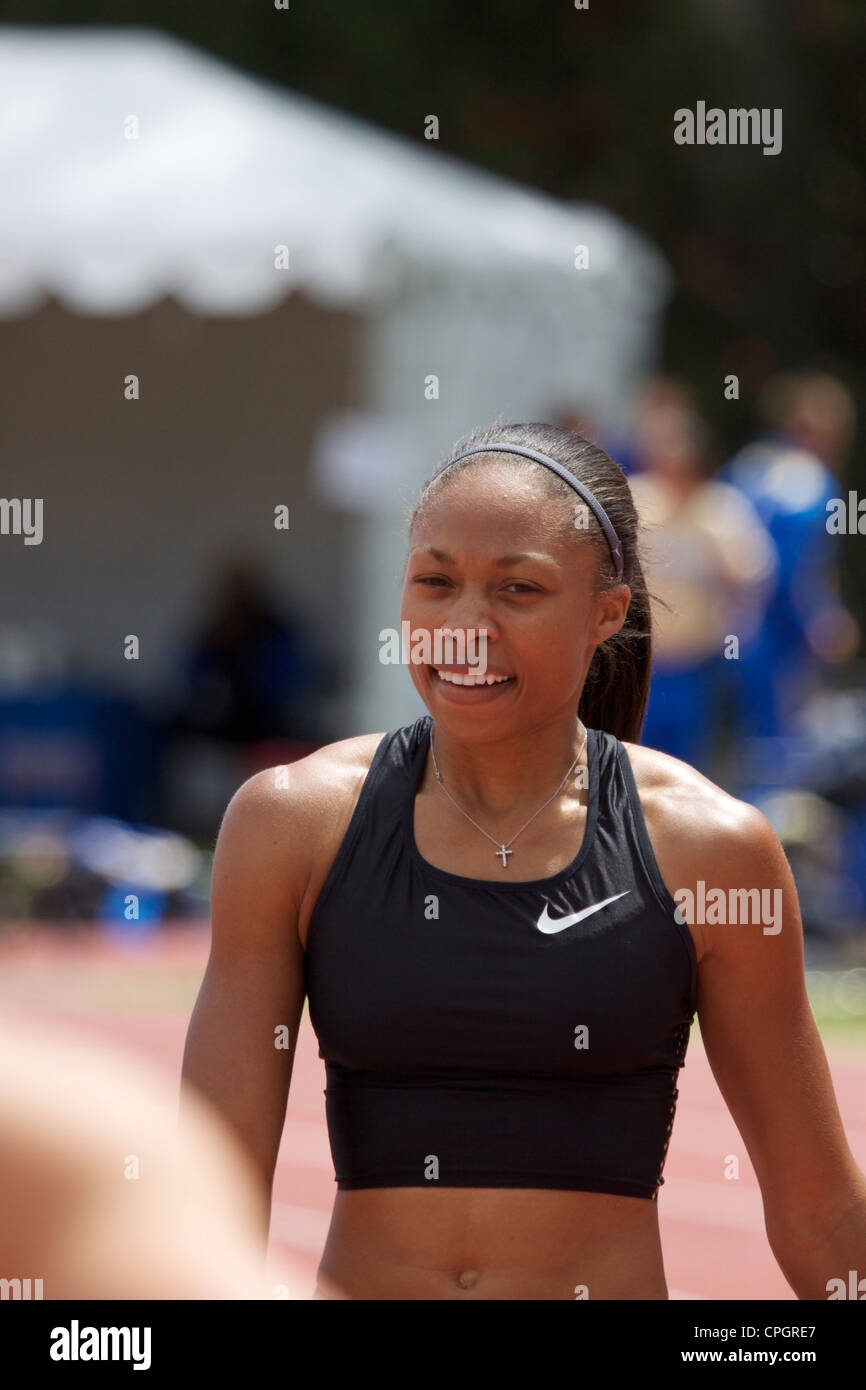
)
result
[(499, 1034)]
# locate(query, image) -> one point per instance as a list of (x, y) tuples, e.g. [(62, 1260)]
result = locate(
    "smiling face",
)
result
[(493, 550)]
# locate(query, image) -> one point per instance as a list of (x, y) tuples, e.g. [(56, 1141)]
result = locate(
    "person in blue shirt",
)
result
[(710, 564), (790, 474)]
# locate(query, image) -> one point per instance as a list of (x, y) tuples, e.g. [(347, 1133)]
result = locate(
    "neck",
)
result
[(499, 779)]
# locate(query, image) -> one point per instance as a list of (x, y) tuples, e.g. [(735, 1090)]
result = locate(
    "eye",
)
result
[(437, 581)]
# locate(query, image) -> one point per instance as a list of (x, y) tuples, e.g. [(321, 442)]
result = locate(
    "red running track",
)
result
[(712, 1227)]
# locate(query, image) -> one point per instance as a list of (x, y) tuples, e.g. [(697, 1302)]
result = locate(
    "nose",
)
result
[(474, 635), (470, 610)]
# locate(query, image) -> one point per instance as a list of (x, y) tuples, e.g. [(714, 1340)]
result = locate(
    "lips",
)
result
[(465, 686), (467, 677)]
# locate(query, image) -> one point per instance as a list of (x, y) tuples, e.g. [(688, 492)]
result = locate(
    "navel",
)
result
[(468, 1278)]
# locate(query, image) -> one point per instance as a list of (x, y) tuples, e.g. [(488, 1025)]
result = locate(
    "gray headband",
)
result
[(579, 487)]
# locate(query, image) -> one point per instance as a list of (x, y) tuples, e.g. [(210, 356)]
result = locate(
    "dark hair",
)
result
[(616, 689)]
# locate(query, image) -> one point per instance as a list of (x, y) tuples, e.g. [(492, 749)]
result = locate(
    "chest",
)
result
[(444, 839), (580, 978), (508, 851)]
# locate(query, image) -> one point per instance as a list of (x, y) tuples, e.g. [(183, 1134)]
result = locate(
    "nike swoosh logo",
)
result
[(549, 925)]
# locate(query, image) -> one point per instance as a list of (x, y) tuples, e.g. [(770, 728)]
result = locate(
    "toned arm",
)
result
[(762, 1041), (241, 1040)]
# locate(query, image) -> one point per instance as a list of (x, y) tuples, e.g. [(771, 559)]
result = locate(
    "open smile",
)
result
[(463, 685)]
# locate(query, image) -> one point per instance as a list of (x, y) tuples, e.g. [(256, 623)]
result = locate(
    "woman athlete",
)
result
[(499, 948)]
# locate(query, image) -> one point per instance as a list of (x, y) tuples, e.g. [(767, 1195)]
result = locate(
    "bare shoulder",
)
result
[(310, 785), (306, 795), (675, 793), (698, 830), (285, 822)]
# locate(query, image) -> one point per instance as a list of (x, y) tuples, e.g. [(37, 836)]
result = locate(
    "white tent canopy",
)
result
[(134, 168)]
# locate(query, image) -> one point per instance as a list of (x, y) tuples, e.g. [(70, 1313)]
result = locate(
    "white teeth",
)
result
[(457, 679)]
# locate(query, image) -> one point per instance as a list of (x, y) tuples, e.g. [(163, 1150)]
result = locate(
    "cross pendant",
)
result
[(503, 851)]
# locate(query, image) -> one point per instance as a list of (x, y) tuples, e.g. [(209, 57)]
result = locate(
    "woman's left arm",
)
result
[(766, 1054)]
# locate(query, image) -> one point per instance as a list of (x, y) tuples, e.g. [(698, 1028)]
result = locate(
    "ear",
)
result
[(612, 611)]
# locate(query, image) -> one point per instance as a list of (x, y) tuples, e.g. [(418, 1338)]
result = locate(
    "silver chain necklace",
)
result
[(502, 849)]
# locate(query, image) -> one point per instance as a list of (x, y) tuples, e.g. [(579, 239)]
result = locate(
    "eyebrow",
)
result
[(501, 561)]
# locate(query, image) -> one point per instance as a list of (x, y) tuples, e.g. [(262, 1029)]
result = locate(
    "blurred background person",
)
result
[(789, 475), (246, 696), (710, 562), (249, 669)]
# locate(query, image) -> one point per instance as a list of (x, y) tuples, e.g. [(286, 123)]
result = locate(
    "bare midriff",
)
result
[(491, 1243)]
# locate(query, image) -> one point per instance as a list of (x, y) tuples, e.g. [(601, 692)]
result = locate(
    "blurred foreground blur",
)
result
[(104, 1194)]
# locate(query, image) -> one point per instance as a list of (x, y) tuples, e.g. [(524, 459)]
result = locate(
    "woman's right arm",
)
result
[(240, 1045)]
